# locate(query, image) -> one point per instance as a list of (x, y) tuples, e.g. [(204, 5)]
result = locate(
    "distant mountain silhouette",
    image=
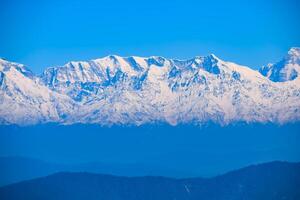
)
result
[(16, 169), (275, 180)]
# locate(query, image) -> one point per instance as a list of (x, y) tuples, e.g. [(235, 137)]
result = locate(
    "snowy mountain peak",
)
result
[(288, 69), (2, 60), (213, 56), (138, 90), (7, 65), (293, 55), (294, 51)]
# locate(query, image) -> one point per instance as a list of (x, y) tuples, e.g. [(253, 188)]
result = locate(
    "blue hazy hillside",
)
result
[(16, 169), (180, 151), (275, 180)]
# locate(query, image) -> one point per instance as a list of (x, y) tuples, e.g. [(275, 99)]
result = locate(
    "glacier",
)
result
[(134, 90)]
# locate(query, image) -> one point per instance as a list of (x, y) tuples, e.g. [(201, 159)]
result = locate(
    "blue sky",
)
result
[(45, 33)]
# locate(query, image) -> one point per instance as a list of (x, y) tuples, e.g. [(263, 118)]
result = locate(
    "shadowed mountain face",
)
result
[(275, 180)]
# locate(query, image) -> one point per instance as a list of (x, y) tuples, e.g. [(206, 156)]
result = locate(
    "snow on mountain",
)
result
[(285, 70), (24, 101), (137, 90)]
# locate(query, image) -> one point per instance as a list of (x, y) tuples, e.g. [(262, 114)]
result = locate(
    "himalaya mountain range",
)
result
[(137, 90)]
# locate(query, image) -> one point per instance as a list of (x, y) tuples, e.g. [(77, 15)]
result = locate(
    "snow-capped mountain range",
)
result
[(137, 90)]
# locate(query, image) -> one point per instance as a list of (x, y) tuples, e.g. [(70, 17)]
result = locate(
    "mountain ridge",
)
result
[(138, 90), (253, 182), (31, 168)]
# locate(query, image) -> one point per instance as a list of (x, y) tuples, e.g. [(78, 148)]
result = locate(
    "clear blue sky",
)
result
[(46, 33)]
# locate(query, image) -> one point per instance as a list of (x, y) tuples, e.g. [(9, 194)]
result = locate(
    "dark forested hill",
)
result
[(275, 180)]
